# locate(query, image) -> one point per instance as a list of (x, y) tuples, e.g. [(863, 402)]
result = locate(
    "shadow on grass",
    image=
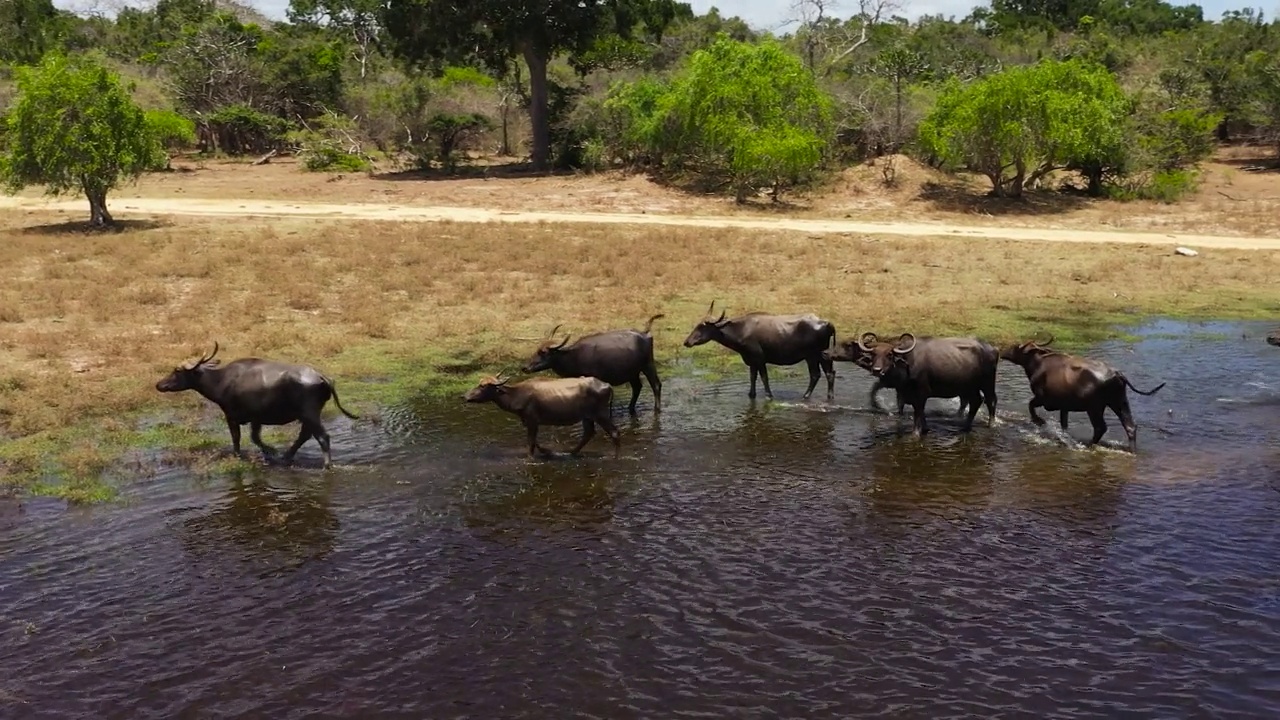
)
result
[(956, 197), (82, 227), (1261, 162)]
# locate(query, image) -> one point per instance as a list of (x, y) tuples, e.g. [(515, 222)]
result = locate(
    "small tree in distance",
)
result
[(74, 128)]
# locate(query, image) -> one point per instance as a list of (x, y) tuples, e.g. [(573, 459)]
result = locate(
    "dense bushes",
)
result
[(1125, 99)]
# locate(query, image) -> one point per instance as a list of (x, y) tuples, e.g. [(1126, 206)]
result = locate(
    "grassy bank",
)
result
[(89, 323)]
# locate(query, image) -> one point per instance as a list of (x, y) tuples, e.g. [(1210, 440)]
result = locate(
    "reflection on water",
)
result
[(740, 559)]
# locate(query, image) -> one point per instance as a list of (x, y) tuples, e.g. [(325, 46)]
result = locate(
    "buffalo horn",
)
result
[(562, 343), (1049, 341), (553, 330), (863, 342), (904, 351)]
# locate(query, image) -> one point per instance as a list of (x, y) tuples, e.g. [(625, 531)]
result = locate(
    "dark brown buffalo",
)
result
[(763, 339), (1273, 337), (896, 379), (261, 392), (614, 356), (552, 401), (931, 367), (1069, 383)]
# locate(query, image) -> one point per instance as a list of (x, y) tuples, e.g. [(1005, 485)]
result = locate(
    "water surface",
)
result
[(766, 559)]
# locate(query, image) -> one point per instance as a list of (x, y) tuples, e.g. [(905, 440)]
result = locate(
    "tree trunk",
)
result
[(538, 106), (99, 216), (1224, 131), (897, 113), (1015, 185)]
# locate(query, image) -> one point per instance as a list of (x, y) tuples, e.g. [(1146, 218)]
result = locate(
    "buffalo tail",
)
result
[(334, 389), (649, 325), (1135, 389)]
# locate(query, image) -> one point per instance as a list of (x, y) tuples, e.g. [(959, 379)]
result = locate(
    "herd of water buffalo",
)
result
[(257, 392)]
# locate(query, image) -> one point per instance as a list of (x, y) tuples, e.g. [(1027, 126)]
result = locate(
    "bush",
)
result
[(172, 131), (738, 115), (450, 130), (1165, 186), (241, 130), (328, 144), (1018, 125)]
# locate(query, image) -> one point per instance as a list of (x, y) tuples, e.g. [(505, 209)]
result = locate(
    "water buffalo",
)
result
[(552, 401), (1069, 383), (896, 379), (614, 356), (261, 392), (930, 367), (763, 339), (1273, 337)]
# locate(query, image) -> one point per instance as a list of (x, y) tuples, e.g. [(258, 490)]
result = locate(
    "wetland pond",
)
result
[(754, 560)]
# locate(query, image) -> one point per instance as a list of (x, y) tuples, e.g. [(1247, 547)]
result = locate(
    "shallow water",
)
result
[(739, 560)]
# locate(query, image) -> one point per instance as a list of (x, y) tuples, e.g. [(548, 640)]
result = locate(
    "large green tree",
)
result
[(741, 114), (28, 29), (75, 128), (1018, 125), (494, 31)]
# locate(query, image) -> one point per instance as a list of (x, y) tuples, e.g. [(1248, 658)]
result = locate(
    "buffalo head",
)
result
[(1273, 338), (881, 357), (187, 377), (707, 330), (488, 389), (1023, 353), (854, 351), (544, 357)]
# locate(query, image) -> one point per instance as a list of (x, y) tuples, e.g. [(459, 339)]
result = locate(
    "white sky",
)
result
[(763, 14)]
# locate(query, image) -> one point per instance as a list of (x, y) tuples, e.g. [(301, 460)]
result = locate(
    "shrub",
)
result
[(172, 131)]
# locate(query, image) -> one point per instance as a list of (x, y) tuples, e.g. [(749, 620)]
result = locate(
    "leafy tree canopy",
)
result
[(494, 31), (75, 128)]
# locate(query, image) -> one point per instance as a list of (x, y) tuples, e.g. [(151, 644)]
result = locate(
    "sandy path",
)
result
[(370, 211)]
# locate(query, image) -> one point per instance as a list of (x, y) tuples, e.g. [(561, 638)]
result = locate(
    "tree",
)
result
[(28, 29), (74, 127), (355, 19), (1018, 125), (741, 114), (493, 31)]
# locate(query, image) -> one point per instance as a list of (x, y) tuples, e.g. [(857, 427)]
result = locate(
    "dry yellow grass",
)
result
[(89, 322)]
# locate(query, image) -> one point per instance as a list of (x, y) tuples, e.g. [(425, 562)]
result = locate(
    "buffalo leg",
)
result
[(655, 384), (322, 437), (829, 369), (764, 379), (754, 372), (255, 434), (1099, 424), (1122, 411), (635, 394), (1031, 408), (303, 435), (1063, 419), (974, 403), (614, 435), (588, 431), (814, 374), (918, 427), (234, 428), (534, 447), (989, 396)]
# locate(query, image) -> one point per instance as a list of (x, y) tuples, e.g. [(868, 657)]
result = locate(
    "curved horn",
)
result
[(1046, 342), (712, 308), (864, 343), (721, 318), (904, 351), (501, 378), (562, 343), (553, 330), (206, 358)]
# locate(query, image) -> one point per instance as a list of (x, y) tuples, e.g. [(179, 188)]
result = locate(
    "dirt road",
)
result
[(367, 211)]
